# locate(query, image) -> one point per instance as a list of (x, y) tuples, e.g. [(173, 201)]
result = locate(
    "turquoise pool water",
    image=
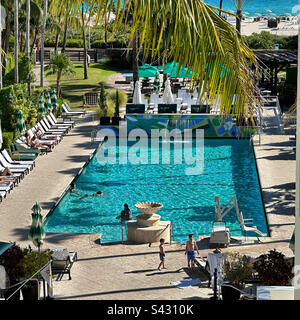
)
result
[(188, 200)]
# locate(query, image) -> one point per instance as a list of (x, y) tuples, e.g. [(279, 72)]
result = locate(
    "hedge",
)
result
[(8, 139)]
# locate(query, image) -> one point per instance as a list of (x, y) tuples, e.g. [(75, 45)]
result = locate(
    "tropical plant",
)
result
[(45, 8), (112, 94), (196, 37), (239, 5), (33, 261), (103, 100), (237, 269), (61, 65), (273, 269), (117, 103)]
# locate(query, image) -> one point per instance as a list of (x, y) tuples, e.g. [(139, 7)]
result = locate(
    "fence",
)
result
[(76, 55)]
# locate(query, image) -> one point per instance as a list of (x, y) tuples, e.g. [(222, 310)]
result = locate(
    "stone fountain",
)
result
[(148, 228)]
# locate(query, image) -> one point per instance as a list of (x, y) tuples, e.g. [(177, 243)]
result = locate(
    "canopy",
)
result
[(147, 71), (20, 126), (36, 232), (156, 83), (54, 100), (137, 95), (171, 69), (168, 96), (41, 107), (48, 104)]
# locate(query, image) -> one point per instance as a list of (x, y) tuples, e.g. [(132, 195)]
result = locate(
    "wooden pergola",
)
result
[(272, 62)]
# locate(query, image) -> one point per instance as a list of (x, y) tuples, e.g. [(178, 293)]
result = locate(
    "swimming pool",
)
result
[(188, 200)]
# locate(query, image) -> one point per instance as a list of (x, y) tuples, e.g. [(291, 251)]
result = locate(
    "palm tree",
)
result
[(16, 47), (45, 3), (27, 45), (239, 5), (83, 25), (221, 4), (197, 37), (61, 65)]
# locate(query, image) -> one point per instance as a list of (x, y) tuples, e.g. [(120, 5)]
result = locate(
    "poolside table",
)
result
[(275, 293)]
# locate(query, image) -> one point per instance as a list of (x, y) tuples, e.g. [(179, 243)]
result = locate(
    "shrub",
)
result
[(273, 269), (8, 139), (123, 98)]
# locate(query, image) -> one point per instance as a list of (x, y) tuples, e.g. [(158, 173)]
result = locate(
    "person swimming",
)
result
[(97, 194)]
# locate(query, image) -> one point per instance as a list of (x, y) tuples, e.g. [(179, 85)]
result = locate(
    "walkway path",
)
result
[(37, 72)]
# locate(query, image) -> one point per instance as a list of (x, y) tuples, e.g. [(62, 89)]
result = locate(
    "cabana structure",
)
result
[(272, 62)]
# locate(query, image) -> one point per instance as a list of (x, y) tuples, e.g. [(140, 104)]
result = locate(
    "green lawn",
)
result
[(74, 87)]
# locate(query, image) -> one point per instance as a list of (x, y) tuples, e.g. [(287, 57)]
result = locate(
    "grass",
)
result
[(74, 87)]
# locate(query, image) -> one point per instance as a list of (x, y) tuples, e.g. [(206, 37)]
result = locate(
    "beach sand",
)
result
[(284, 28)]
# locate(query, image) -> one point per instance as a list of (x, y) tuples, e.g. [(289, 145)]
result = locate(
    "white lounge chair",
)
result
[(61, 120), (9, 159), (68, 112), (10, 165), (48, 120), (48, 127), (59, 125)]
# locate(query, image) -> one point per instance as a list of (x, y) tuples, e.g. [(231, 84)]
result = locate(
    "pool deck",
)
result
[(124, 271)]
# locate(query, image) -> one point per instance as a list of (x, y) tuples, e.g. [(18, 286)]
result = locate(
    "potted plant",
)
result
[(31, 263), (10, 261), (273, 269), (236, 270)]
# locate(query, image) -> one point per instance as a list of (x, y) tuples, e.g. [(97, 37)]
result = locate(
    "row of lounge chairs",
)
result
[(20, 157), (166, 108)]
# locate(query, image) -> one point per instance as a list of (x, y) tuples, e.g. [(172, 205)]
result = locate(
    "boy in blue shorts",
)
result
[(162, 254), (190, 250)]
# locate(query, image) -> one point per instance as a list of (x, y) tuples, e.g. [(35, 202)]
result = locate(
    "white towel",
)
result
[(183, 284)]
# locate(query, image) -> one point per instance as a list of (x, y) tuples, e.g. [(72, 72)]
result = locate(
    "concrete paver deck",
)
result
[(124, 271)]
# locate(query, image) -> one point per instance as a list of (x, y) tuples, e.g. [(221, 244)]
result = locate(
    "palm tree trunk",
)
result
[(238, 20), (27, 45), (7, 33), (58, 90), (135, 59), (85, 63), (56, 42), (43, 41), (66, 29), (221, 4), (36, 31), (16, 27)]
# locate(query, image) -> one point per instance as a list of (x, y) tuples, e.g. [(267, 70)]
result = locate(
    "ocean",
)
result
[(253, 7)]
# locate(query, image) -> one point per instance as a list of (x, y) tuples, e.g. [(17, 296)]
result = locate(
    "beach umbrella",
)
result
[(36, 232), (156, 83), (41, 107), (168, 67), (167, 95), (147, 71), (183, 73), (54, 100), (48, 104), (20, 126), (137, 95)]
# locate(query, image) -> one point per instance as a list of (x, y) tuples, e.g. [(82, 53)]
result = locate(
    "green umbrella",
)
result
[(54, 100), (147, 71), (41, 108), (36, 232), (183, 73), (168, 67), (48, 104), (156, 83), (20, 126)]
